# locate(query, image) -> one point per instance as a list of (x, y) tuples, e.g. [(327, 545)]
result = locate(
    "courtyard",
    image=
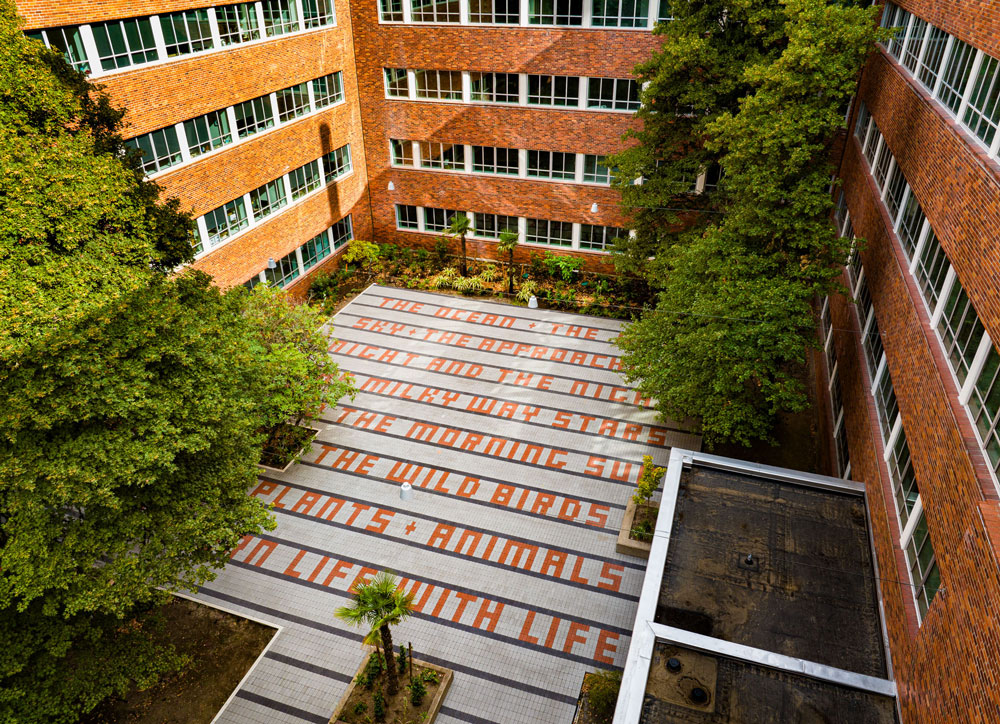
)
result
[(522, 443)]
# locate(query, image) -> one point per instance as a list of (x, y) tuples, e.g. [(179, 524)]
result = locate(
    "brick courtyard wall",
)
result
[(941, 666)]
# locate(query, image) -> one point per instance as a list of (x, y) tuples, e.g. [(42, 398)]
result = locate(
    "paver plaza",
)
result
[(523, 445)]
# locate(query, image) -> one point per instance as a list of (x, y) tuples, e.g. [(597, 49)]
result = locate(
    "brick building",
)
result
[(291, 126)]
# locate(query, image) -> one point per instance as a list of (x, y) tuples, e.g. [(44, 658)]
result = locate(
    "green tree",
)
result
[(459, 226), (378, 605), (366, 255), (755, 92), (507, 245)]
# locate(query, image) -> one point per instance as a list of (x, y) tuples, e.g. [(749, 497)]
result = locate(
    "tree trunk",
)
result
[(391, 674), (465, 269), (510, 274)]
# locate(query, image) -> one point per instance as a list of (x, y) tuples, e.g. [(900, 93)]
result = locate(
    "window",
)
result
[(554, 233), (914, 43), (391, 11), (872, 344), (594, 170), (555, 12), (436, 11), (599, 238), (268, 198), (495, 12), (956, 74), (208, 132), (880, 168), (619, 94), (223, 222), (840, 212), (186, 32), (237, 23), (286, 270), (488, 159), (553, 90), (329, 89), (68, 41), (342, 232), (304, 179), (280, 17), (621, 13), (317, 13), (665, 12), (489, 226), (293, 102), (252, 282), (438, 219), (910, 223), (495, 87), (406, 217), (444, 156), (713, 175), (983, 111), (930, 65), (961, 331), (551, 164), (160, 149), (254, 116), (315, 250), (984, 404), (442, 85), (862, 122), (895, 44), (337, 163), (401, 152), (894, 191), (932, 269), (904, 482), (885, 402), (397, 84), (923, 566), (121, 43)]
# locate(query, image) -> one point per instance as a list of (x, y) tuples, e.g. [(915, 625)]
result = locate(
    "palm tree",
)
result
[(508, 242), (378, 605), (459, 226)]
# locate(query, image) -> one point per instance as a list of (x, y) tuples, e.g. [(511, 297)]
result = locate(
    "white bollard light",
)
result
[(533, 302), (406, 491)]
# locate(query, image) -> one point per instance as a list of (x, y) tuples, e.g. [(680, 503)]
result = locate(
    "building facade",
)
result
[(292, 126)]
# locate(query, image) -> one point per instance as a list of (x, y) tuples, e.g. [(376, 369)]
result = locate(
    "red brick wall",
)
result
[(977, 22), (945, 669)]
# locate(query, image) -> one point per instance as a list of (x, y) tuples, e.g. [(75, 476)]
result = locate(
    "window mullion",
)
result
[(90, 48), (970, 84), (582, 95), (890, 441), (975, 368), (925, 232), (911, 523), (158, 40), (213, 26), (949, 282)]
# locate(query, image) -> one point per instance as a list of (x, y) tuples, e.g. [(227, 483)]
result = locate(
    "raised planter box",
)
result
[(435, 705), (313, 433), (629, 546)]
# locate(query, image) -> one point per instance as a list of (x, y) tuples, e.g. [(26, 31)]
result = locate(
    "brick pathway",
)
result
[(522, 442)]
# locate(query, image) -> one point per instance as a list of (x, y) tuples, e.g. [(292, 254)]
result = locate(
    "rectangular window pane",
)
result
[(872, 144), (904, 482), (208, 132), (923, 566), (280, 17), (436, 11), (894, 191), (553, 90), (930, 65), (304, 179), (268, 198), (895, 44), (600, 238), (619, 94), (160, 149), (956, 74), (554, 233), (911, 222), (551, 164), (225, 221), (186, 32), (69, 42), (439, 84), (391, 11), (885, 402), (914, 43), (494, 12), (438, 219), (406, 217), (494, 87), (317, 13), (620, 13), (286, 270), (489, 226), (489, 159), (881, 167), (444, 156), (342, 232), (961, 331), (329, 89), (555, 12), (315, 250), (402, 152), (254, 116), (337, 163), (862, 122), (594, 170), (293, 102), (932, 269), (237, 23), (872, 344), (397, 83), (121, 43), (983, 112), (984, 404)]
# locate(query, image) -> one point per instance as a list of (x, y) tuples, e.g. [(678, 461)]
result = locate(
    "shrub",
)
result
[(430, 676), (447, 279), (649, 481), (468, 285), (489, 274), (365, 254), (372, 671), (401, 659), (642, 531), (417, 691), (603, 692), (360, 708), (562, 267), (440, 253), (379, 706), (527, 290)]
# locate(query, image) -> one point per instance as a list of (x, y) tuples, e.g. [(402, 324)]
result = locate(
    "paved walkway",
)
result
[(522, 442)]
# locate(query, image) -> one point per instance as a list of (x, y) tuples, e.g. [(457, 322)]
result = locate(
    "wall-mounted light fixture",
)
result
[(272, 264), (392, 186)]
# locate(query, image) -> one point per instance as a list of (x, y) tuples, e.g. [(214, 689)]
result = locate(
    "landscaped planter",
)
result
[(279, 461), (435, 696), (628, 545)]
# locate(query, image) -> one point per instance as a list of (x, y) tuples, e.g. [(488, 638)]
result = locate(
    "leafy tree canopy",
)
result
[(752, 93)]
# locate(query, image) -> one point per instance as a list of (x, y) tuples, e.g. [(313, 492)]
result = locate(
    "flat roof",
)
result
[(761, 592)]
